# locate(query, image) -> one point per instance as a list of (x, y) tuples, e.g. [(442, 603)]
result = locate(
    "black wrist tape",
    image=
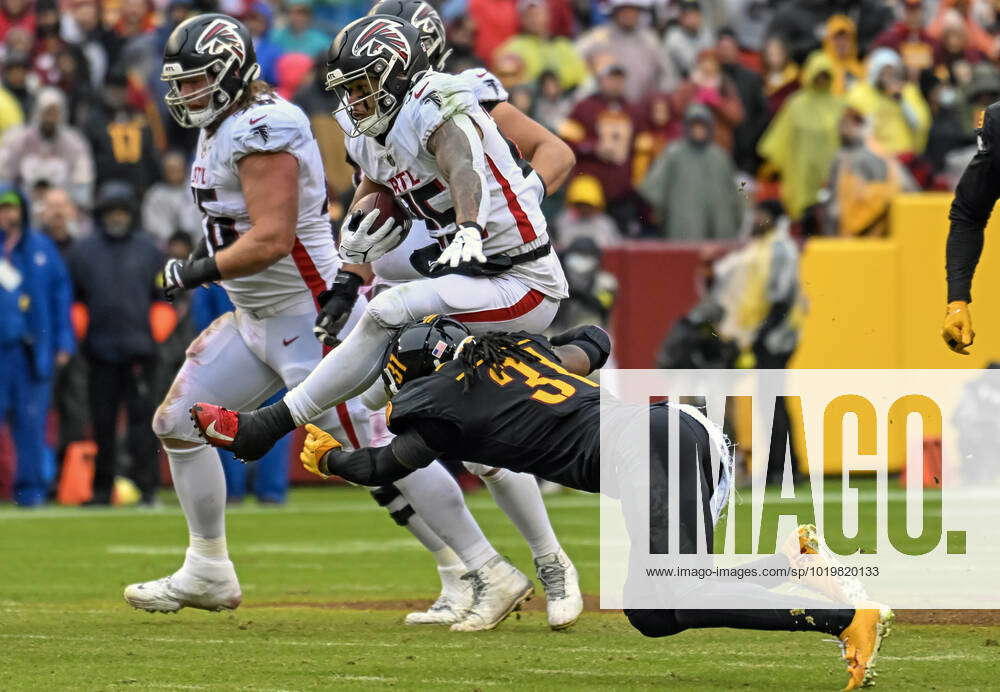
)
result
[(595, 342), (201, 271)]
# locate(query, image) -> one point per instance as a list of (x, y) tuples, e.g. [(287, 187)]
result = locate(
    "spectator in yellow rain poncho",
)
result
[(863, 182), (840, 43), (899, 115), (802, 140)]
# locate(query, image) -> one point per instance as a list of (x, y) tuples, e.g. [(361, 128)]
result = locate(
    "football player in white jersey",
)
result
[(426, 138), (259, 180), (516, 493)]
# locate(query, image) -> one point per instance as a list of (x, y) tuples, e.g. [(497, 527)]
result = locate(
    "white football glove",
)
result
[(467, 245), (358, 246)]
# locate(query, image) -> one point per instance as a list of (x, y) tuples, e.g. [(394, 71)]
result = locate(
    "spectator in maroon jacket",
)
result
[(710, 86), (781, 75), (602, 130), (664, 123), (909, 38), (953, 55)]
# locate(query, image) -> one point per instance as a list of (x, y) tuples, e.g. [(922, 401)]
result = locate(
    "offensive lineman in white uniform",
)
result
[(255, 154), (259, 180), (516, 493), (427, 139)]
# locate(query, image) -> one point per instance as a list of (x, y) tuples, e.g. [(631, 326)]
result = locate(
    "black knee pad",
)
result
[(385, 495), (654, 623)]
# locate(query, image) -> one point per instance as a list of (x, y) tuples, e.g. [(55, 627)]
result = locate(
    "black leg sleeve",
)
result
[(782, 619)]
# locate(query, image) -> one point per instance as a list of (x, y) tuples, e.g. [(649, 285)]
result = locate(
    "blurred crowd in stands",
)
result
[(691, 120)]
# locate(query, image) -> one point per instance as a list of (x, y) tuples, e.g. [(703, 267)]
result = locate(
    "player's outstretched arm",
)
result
[(975, 196), (550, 157), (324, 456), (270, 187)]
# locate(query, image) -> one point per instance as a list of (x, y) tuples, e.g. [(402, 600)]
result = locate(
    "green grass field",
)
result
[(326, 582)]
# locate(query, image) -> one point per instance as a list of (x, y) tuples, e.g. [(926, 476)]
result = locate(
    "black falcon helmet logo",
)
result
[(379, 35), (220, 36), (425, 19)]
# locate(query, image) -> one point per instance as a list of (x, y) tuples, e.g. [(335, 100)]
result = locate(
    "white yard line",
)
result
[(296, 506), (338, 548)]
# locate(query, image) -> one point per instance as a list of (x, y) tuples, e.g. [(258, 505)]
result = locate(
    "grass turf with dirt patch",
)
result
[(326, 582)]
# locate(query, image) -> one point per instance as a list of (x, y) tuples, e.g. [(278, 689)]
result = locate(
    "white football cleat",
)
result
[(199, 583), (451, 605), (498, 589), (564, 602)]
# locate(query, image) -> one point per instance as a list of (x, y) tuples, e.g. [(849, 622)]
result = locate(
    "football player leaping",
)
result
[(518, 401), (428, 139), (516, 493), (259, 180)]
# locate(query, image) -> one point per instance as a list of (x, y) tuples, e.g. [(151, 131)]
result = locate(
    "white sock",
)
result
[(446, 558), (201, 489), (518, 496), (437, 499), (422, 532), (341, 374)]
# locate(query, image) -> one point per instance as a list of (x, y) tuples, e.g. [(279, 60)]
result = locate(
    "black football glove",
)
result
[(591, 339), (182, 275), (336, 304)]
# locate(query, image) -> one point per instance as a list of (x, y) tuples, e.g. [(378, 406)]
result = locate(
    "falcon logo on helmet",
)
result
[(221, 36), (382, 34), (425, 19)]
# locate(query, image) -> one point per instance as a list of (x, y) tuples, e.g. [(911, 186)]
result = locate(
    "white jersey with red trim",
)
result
[(270, 124), (402, 163)]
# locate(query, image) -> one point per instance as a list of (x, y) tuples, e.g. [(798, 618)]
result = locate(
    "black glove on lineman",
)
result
[(589, 338), (336, 304), (181, 275)]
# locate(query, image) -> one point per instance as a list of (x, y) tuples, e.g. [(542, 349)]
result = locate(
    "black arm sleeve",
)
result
[(381, 465), (975, 196)]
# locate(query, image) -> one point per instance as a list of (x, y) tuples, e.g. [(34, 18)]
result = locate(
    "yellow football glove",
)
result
[(957, 331), (317, 444)]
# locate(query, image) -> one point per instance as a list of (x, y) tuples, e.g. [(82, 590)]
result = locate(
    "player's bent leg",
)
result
[(517, 494), (218, 365), (455, 596), (207, 579), (441, 499), (344, 373), (502, 303)]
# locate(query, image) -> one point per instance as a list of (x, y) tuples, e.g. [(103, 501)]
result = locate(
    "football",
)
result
[(386, 205), (359, 249)]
